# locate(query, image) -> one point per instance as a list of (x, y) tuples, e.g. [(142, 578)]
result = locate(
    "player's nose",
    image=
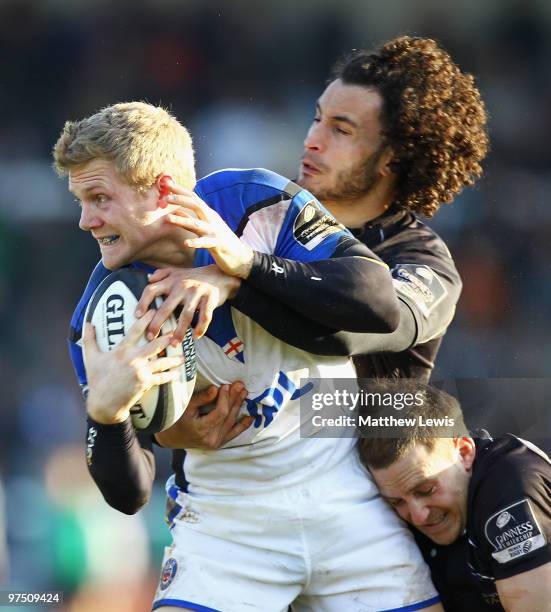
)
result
[(418, 513), (314, 138), (89, 220)]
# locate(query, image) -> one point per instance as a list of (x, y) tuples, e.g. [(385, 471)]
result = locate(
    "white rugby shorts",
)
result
[(329, 545)]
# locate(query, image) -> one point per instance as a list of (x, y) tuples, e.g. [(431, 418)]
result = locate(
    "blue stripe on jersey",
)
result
[(180, 603), (417, 606), (172, 515)]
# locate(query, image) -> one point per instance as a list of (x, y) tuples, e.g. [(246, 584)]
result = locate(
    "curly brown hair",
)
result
[(433, 118)]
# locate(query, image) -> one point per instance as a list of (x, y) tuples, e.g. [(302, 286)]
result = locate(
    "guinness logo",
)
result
[(503, 519)]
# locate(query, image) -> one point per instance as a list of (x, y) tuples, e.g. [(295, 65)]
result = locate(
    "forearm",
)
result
[(122, 466), (529, 590), (352, 293), (297, 330)]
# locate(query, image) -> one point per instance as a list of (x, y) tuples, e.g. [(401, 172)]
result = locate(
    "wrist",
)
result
[(247, 262), (234, 284), (99, 413)]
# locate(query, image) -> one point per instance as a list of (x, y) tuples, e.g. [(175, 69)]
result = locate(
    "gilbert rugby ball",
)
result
[(111, 311)]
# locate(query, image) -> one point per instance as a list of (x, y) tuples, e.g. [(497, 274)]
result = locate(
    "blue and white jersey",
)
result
[(273, 216)]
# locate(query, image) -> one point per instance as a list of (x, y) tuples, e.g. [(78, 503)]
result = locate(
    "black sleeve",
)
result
[(295, 329), (431, 296), (511, 511), (426, 287), (121, 463), (351, 291)]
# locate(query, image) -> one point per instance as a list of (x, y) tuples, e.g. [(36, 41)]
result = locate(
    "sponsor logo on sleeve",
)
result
[(313, 225), (514, 532), (420, 284)]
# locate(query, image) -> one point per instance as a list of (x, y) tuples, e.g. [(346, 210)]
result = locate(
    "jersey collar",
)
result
[(378, 229)]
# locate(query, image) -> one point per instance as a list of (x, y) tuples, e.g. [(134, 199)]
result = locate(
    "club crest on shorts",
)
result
[(168, 572)]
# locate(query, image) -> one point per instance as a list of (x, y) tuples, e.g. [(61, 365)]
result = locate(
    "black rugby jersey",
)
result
[(508, 525), (427, 285), (427, 282)]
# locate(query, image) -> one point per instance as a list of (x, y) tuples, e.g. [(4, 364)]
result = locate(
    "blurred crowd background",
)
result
[(244, 76)]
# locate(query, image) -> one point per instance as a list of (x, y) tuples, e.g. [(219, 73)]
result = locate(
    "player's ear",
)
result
[(387, 162), (162, 182), (467, 451)]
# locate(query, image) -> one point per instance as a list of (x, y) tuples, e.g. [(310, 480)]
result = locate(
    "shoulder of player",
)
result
[(410, 235), (506, 470), (508, 452), (265, 182), (509, 510), (408, 241)]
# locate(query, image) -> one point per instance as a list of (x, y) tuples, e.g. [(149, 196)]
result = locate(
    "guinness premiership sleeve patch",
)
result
[(420, 284), (514, 532)]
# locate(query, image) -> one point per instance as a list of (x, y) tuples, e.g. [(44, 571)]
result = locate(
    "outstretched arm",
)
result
[(321, 274), (344, 286)]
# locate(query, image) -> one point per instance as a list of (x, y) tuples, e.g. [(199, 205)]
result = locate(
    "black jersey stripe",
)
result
[(280, 197), (288, 193)]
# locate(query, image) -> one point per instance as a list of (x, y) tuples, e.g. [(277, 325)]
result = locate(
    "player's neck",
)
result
[(356, 212), (170, 252)]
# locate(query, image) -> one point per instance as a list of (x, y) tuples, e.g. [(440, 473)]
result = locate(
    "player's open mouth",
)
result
[(107, 240), (435, 525), (308, 168)]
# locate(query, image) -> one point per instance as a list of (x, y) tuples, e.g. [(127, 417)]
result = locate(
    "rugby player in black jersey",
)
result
[(481, 508), (396, 133)]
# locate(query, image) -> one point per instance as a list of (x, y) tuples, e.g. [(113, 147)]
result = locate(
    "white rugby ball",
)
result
[(111, 311)]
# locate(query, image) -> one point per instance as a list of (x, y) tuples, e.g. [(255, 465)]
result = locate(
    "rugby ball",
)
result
[(111, 311)]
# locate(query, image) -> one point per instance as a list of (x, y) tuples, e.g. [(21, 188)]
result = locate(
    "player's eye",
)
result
[(426, 491), (339, 130), (78, 202), (316, 119)]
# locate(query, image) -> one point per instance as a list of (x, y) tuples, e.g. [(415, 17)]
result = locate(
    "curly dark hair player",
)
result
[(398, 131), (432, 117)]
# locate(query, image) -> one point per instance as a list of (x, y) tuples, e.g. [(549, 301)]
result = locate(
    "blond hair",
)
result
[(142, 140)]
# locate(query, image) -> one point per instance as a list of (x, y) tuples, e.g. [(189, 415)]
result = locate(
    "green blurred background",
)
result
[(244, 76)]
